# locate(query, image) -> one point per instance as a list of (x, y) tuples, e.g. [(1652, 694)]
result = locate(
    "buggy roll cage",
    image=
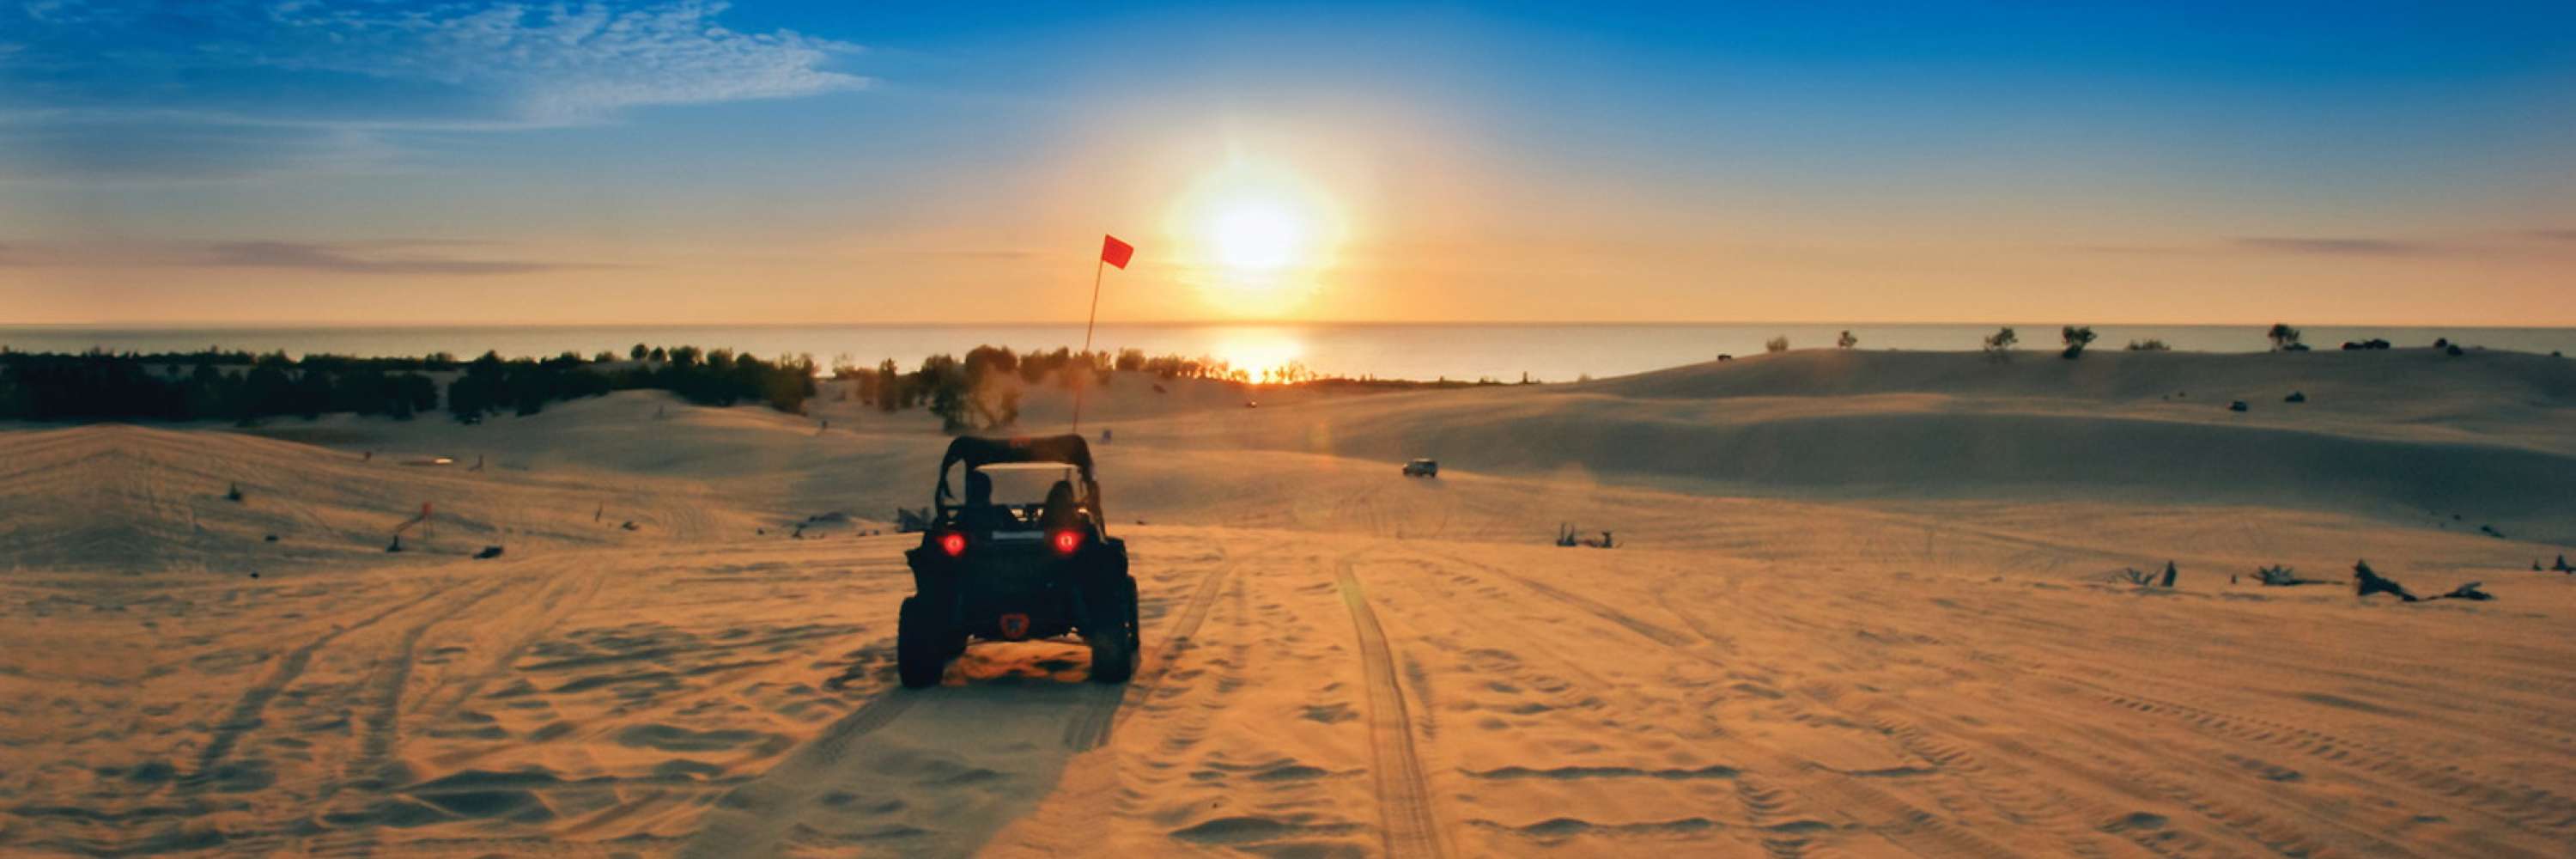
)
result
[(978, 452)]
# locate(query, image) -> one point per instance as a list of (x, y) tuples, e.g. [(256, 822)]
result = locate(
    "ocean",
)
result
[(1466, 351)]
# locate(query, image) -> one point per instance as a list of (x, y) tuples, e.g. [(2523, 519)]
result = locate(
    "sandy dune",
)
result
[(1865, 608)]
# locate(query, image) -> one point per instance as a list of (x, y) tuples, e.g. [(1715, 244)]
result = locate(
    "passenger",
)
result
[(1060, 510)]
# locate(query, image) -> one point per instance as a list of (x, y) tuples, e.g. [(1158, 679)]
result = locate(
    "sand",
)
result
[(1865, 604)]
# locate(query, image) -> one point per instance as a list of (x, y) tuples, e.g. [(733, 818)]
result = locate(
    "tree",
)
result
[(945, 381), (638, 352), (889, 386), (2284, 338), (2076, 337), (1999, 345), (1846, 341)]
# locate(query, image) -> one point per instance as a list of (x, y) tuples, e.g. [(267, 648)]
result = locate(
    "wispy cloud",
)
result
[(456, 257), (365, 258), (2554, 235), (160, 90), (2339, 246)]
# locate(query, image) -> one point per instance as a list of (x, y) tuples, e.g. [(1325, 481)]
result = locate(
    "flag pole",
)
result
[(1097, 267)]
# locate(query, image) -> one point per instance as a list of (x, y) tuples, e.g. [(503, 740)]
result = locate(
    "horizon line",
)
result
[(1499, 323)]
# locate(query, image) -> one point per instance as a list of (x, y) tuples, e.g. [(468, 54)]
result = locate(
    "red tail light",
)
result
[(1067, 541), (953, 543)]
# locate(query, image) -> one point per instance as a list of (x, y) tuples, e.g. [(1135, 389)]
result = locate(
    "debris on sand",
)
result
[(488, 553), (2366, 582), (2295, 397), (232, 492), (627, 525), (2490, 531), (273, 538), (2281, 576), (2236, 406), (1565, 536)]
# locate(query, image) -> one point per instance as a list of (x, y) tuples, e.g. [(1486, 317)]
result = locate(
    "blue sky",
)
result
[(476, 162)]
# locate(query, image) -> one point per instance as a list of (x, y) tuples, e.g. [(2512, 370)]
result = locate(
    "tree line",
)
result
[(238, 386), (242, 386)]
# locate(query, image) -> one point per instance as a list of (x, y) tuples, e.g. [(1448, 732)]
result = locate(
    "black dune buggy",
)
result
[(1017, 571)]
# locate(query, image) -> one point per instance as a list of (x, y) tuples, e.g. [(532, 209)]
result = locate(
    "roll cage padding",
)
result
[(977, 452)]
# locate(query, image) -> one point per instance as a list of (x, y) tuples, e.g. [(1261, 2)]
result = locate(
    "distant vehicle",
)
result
[(1017, 571), (1422, 468)]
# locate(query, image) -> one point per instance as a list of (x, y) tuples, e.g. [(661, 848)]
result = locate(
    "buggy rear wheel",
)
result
[(922, 643), (1111, 630)]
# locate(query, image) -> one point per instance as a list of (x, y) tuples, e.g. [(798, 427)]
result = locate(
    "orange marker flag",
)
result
[(1115, 252)]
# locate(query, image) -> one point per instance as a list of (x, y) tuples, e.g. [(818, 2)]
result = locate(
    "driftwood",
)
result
[(2147, 578), (2366, 582), (2467, 592)]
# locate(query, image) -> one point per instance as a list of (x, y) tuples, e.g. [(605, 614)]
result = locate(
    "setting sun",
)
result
[(1255, 237)]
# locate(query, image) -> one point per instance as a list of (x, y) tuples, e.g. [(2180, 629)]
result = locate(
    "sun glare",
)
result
[(1262, 356)]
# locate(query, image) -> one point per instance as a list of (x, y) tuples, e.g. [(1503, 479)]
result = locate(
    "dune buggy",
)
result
[(1017, 570)]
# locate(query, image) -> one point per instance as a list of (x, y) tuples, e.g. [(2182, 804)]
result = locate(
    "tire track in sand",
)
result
[(1901, 824), (1403, 796), (753, 819), (247, 713), (1101, 713)]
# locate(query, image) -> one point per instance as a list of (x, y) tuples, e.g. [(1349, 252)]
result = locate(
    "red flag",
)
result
[(1115, 252)]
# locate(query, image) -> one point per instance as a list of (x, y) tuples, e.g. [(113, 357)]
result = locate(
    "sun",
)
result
[(1256, 237)]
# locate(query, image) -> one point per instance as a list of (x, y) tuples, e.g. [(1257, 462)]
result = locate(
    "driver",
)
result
[(979, 512)]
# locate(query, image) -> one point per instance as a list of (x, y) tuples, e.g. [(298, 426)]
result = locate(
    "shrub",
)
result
[(1999, 345), (1846, 341), (1776, 344), (2149, 345), (2076, 338)]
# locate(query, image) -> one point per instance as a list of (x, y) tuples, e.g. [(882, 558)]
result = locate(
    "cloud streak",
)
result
[(355, 259), (2339, 246)]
